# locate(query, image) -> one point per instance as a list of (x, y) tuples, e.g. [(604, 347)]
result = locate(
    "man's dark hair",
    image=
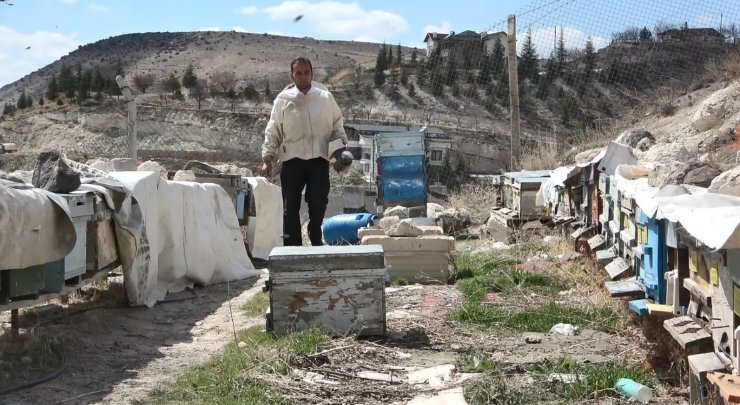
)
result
[(300, 59)]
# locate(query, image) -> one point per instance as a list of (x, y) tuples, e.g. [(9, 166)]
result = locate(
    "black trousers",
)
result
[(314, 175)]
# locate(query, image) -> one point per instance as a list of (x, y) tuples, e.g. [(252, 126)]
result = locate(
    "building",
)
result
[(432, 40), (458, 44), (489, 41), (691, 35)]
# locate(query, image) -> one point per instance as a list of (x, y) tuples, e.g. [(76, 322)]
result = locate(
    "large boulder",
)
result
[(727, 182), (53, 174), (637, 138), (198, 167), (152, 166), (397, 211), (701, 176)]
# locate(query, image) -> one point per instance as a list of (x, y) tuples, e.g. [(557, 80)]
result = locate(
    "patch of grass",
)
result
[(593, 380), (257, 305), (537, 319), (498, 390), (478, 363), (229, 377), (400, 281)]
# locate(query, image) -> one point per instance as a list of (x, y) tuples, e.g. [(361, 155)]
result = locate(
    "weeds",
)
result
[(229, 378), (257, 305), (498, 390)]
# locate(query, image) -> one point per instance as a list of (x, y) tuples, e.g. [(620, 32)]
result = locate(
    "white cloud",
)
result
[(210, 29), (366, 38), (545, 39), (251, 10), (239, 29), (347, 20), (43, 48), (445, 28), (98, 8)]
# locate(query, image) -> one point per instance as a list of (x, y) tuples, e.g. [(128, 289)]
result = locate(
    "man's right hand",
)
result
[(266, 168)]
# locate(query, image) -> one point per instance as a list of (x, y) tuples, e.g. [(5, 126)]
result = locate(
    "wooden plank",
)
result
[(596, 242), (687, 332), (625, 288), (303, 258), (606, 256), (617, 267), (660, 309), (728, 385), (704, 295)]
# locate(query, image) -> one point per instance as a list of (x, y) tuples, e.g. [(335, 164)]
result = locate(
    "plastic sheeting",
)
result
[(268, 220), (33, 217), (191, 235), (713, 219)]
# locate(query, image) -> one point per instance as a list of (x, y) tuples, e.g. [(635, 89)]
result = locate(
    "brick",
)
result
[(425, 243)]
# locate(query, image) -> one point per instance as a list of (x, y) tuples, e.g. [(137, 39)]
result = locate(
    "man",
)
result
[(304, 118)]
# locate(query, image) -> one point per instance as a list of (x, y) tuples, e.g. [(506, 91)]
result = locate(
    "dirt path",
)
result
[(117, 355)]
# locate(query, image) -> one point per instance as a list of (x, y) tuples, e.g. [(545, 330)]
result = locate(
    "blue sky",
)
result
[(34, 33)]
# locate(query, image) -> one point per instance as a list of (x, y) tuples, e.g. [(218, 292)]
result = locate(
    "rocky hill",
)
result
[(627, 80)]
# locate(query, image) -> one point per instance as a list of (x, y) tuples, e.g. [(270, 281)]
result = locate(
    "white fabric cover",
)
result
[(265, 231)]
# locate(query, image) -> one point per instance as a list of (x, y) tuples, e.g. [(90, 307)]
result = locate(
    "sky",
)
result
[(35, 33)]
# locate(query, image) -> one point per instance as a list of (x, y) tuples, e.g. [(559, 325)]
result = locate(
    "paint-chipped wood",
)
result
[(687, 332), (286, 259), (617, 268), (728, 386), (102, 249), (348, 302), (625, 288)]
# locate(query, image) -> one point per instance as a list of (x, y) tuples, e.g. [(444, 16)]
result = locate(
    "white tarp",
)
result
[(265, 230), (193, 237), (33, 217), (711, 218)]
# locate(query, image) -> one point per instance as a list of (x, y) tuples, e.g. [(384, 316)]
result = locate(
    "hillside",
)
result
[(568, 107)]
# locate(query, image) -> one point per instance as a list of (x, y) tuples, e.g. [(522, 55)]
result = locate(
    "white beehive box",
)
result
[(340, 289)]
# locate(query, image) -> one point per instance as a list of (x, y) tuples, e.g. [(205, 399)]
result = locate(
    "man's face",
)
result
[(302, 76)]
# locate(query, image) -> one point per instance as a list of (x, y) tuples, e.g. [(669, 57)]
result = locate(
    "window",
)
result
[(436, 155), (366, 155)]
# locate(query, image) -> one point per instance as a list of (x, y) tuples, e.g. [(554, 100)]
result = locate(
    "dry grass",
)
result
[(477, 199), (731, 65), (543, 158)]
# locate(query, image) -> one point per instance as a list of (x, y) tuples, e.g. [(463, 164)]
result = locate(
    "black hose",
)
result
[(49, 377)]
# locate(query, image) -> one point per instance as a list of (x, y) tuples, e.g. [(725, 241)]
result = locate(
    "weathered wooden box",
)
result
[(340, 289)]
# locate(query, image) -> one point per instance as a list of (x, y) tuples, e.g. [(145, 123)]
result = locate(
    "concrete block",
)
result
[(425, 243), (426, 230)]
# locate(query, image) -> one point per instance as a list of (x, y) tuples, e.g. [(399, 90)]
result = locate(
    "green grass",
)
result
[(479, 274), (497, 390), (536, 319), (257, 305), (594, 380), (477, 363), (399, 281), (225, 378)]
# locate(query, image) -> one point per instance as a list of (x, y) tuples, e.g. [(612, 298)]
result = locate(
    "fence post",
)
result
[(513, 93), (131, 123)]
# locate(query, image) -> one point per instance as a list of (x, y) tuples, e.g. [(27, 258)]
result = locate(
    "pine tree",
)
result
[(404, 76), (399, 56), (421, 75), (528, 67), (498, 57), (21, 103), (380, 63), (451, 76), (589, 62), (413, 56), (41, 100), (51, 88), (189, 79), (65, 84), (561, 55), (412, 90), (268, 93), (484, 74)]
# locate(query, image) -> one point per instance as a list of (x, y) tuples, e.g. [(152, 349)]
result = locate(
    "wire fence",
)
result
[(583, 69)]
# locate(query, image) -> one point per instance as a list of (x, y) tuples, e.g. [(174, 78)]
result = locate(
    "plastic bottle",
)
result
[(634, 390)]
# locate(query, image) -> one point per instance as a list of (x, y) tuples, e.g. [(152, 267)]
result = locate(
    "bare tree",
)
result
[(631, 34), (200, 91), (662, 26), (225, 80), (731, 32), (143, 81)]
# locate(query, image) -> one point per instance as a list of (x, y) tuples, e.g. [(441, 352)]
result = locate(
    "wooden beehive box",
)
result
[(340, 289)]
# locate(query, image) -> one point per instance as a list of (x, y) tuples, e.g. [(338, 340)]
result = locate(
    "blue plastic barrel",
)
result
[(342, 229)]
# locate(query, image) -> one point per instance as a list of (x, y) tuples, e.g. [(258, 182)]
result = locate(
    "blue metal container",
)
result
[(401, 159), (653, 264), (342, 229)]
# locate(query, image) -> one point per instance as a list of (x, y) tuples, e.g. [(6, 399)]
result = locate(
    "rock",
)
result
[(184, 175), (434, 209), (242, 344), (388, 221), (678, 175), (549, 238), (570, 256), (701, 176), (533, 226), (633, 137), (104, 165), (565, 329), (645, 144), (588, 155), (11, 177), (229, 168), (403, 228), (398, 211), (124, 164), (201, 168), (498, 245), (454, 221), (532, 339), (53, 174), (727, 182), (152, 166)]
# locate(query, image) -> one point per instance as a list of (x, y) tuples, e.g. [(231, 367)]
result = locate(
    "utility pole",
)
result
[(513, 94), (131, 123)]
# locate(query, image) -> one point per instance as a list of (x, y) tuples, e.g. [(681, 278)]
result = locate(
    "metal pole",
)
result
[(513, 93)]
